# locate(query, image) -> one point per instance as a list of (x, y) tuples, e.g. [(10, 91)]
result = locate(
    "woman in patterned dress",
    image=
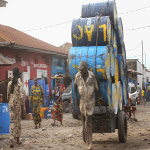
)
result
[(57, 110), (36, 100), (14, 95)]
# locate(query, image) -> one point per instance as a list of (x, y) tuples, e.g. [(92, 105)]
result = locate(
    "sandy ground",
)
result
[(69, 136)]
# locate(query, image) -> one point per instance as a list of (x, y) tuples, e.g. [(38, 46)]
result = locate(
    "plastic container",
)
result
[(106, 90), (42, 111), (41, 81), (4, 118), (84, 32), (46, 93), (46, 101), (95, 9), (89, 54), (50, 106), (30, 84), (52, 102), (47, 113), (121, 68)]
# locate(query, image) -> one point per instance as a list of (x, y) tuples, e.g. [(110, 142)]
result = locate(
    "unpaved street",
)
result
[(69, 137)]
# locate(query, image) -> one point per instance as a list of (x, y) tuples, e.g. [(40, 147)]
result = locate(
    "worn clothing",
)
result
[(15, 108), (57, 112), (86, 91), (36, 99), (87, 128), (57, 109), (58, 91)]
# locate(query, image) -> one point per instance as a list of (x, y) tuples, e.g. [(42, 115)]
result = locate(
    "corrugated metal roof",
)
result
[(3, 3), (8, 34), (4, 61), (134, 72)]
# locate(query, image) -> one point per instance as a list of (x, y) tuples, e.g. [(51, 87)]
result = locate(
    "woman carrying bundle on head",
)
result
[(57, 110)]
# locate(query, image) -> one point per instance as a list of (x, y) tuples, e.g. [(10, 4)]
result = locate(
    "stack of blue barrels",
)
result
[(97, 38)]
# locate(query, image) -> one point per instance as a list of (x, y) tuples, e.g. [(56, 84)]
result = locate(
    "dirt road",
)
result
[(69, 137)]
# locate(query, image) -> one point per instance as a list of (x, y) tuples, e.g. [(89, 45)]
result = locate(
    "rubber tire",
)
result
[(122, 127), (74, 115), (66, 106), (83, 134)]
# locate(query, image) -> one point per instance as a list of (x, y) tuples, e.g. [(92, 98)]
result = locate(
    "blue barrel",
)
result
[(52, 102), (30, 83), (112, 58), (4, 118), (50, 106), (120, 38), (115, 44), (47, 114), (124, 93), (95, 9), (121, 68), (106, 90), (101, 65), (114, 103), (124, 54), (46, 93), (41, 81), (84, 32), (119, 95), (46, 101)]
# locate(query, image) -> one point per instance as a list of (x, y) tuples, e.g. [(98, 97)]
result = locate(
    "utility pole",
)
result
[(145, 59), (142, 66)]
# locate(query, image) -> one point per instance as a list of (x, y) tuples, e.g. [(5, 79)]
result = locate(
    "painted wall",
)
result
[(147, 76), (30, 61)]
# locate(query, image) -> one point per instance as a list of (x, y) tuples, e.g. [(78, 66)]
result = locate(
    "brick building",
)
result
[(32, 56)]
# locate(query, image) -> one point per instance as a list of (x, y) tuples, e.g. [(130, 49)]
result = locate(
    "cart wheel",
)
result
[(83, 134), (122, 127)]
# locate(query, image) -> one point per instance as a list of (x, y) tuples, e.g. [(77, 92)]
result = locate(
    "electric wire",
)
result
[(138, 28), (134, 48), (49, 26), (134, 10)]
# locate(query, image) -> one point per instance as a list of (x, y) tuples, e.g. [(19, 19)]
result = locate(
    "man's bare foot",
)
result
[(18, 142), (11, 144)]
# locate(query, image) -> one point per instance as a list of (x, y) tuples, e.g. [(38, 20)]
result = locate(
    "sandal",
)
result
[(39, 125), (53, 124), (11, 146)]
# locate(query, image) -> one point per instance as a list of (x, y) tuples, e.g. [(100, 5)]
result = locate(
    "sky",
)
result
[(51, 20)]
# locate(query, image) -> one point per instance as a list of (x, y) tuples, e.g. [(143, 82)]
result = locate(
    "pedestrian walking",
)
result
[(86, 82), (57, 110), (143, 96), (36, 100), (15, 94)]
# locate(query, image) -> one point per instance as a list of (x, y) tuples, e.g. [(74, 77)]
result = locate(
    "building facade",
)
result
[(33, 57), (143, 74)]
